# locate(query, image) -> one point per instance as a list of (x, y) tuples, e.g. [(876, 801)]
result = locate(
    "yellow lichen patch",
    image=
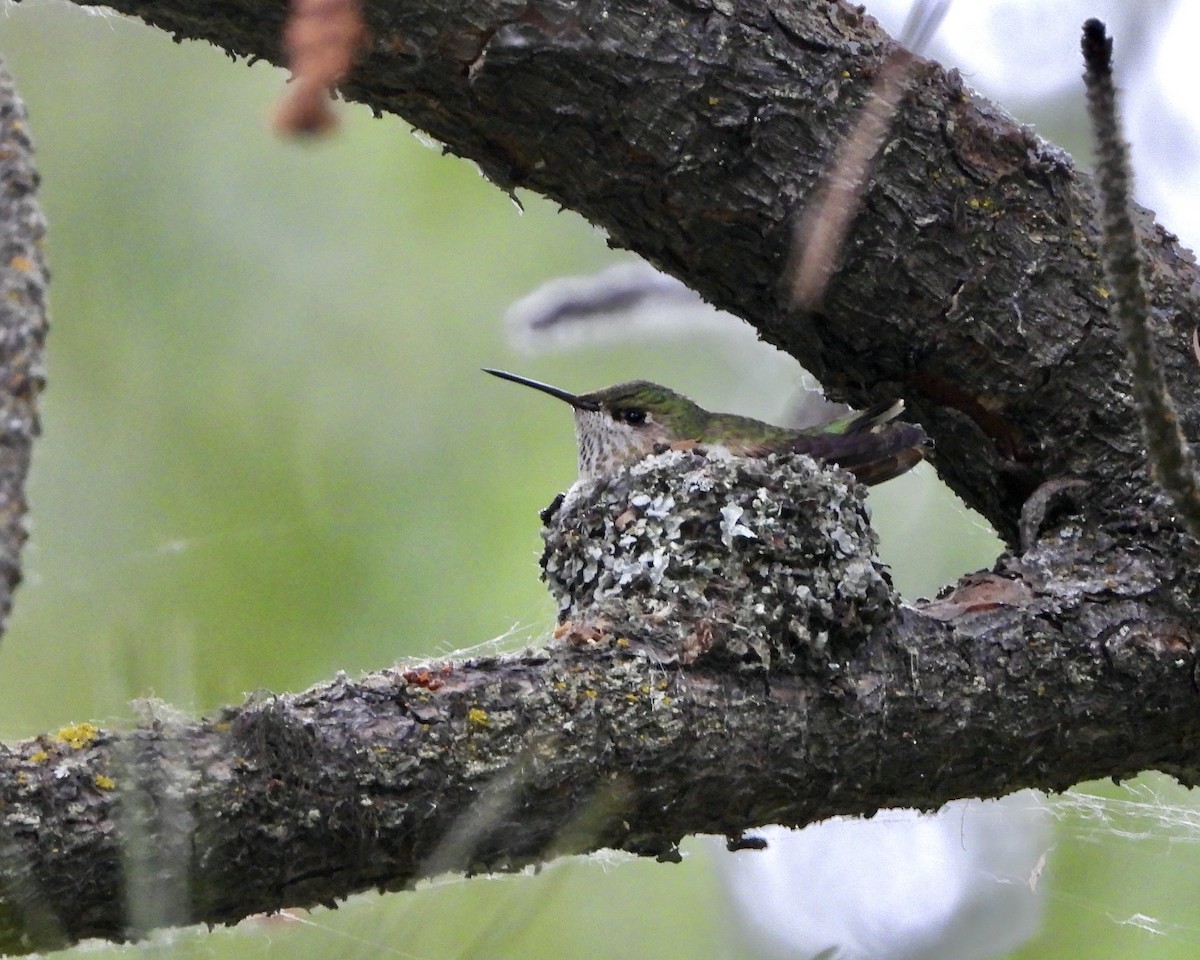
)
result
[(104, 783), (477, 717), (623, 642), (24, 264), (1103, 291), (590, 694), (39, 756), (78, 735)]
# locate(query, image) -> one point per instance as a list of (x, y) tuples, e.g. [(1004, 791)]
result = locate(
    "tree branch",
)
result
[(1171, 460), (23, 324), (1067, 665), (693, 133), (969, 285)]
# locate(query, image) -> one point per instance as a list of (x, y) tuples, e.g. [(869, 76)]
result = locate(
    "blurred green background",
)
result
[(269, 455)]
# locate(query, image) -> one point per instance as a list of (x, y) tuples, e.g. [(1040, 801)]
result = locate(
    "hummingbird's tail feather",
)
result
[(906, 444), (875, 415), (871, 444), (859, 420)]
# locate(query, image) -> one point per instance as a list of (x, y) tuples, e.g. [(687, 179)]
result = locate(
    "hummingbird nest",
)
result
[(768, 563)]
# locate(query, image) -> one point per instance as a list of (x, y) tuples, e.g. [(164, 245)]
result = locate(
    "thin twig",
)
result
[(821, 229), (1170, 457), (322, 38)]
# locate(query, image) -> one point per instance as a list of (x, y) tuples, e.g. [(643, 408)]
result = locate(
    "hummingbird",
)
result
[(620, 425)]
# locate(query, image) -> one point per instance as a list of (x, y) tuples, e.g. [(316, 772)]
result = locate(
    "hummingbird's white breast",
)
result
[(606, 444)]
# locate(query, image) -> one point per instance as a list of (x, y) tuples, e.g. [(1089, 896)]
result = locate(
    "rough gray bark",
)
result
[(693, 132), (1027, 678), (23, 323)]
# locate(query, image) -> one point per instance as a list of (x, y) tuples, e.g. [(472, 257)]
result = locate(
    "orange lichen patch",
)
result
[(24, 264), (698, 642), (625, 519), (1174, 638), (421, 677), (322, 38), (582, 634)]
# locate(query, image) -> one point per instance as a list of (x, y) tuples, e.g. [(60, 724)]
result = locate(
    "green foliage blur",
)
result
[(268, 453)]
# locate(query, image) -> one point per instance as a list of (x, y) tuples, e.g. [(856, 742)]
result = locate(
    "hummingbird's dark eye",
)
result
[(635, 418)]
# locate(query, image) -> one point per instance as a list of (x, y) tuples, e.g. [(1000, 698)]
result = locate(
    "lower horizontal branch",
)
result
[(1015, 680)]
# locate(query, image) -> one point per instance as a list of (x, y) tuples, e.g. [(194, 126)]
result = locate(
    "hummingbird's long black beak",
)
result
[(573, 399)]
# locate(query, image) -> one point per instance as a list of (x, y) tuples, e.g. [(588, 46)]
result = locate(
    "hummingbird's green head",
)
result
[(620, 425)]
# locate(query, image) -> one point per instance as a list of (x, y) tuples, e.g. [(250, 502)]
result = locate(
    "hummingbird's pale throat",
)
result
[(620, 425)]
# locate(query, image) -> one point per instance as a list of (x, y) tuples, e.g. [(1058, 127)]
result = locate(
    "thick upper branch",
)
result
[(694, 133)]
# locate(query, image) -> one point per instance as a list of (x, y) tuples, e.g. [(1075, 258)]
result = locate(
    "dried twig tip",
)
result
[(1097, 47)]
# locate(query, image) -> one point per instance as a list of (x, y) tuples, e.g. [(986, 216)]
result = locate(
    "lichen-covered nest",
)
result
[(766, 562)]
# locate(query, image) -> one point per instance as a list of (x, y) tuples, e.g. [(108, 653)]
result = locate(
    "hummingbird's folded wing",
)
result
[(871, 445)]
